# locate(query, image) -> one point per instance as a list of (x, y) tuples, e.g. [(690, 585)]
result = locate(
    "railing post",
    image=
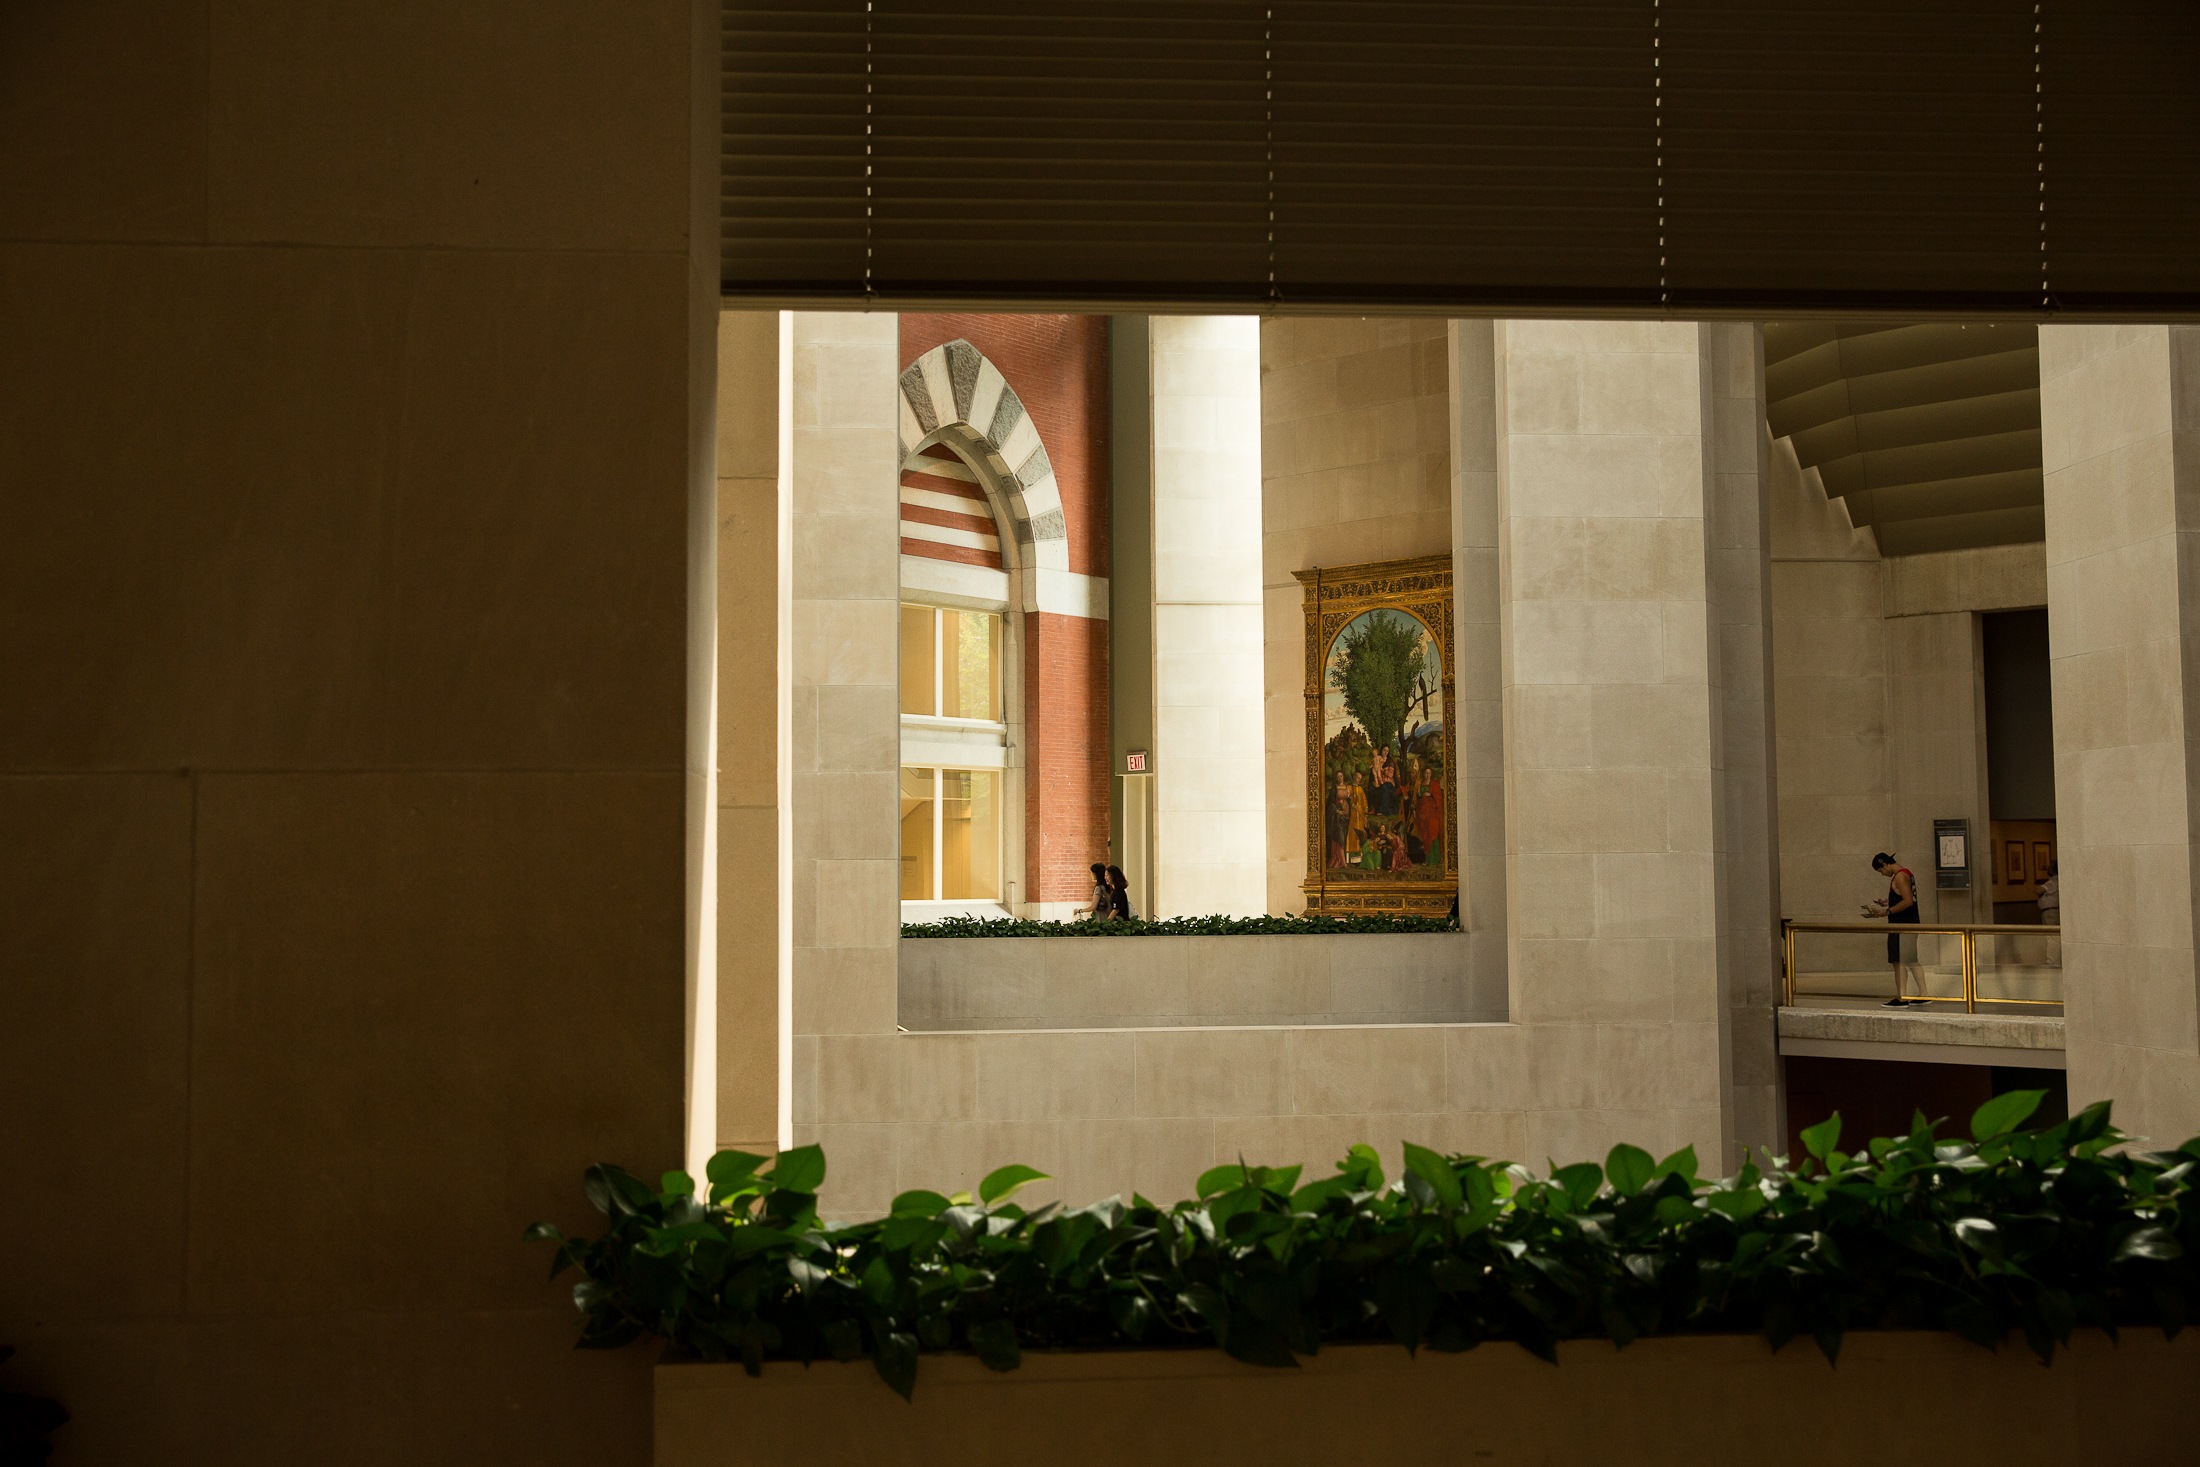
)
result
[(1787, 960), (1970, 971)]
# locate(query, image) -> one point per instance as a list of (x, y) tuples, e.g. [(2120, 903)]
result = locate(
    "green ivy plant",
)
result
[(1177, 927), (2033, 1231)]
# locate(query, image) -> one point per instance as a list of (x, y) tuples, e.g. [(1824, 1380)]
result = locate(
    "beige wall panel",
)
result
[(406, 562), (481, 127), (441, 1388), (463, 982), (104, 109), (379, 531), (2120, 437), (95, 970)]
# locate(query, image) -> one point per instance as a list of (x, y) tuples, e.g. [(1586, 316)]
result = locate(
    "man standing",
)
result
[(1899, 905)]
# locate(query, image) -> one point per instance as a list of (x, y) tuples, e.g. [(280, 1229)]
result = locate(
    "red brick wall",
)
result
[(1058, 366), (1065, 754)]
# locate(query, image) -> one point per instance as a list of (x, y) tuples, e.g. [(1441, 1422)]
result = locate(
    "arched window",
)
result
[(988, 600)]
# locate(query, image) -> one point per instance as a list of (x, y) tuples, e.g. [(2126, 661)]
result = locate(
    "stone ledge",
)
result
[(976, 984), (1905, 1034)]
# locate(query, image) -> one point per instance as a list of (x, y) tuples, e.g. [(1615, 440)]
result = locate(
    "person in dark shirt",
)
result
[(1119, 894), (1899, 906)]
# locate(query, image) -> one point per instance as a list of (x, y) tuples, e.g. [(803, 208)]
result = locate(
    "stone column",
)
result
[(754, 839), (846, 696), (1210, 824), (2120, 443), (1478, 637), (1615, 636), (1741, 585)]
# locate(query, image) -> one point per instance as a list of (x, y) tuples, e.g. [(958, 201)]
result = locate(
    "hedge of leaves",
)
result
[(2035, 1232), (1176, 927)]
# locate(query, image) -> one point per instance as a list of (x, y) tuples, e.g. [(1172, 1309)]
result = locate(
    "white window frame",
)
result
[(939, 745)]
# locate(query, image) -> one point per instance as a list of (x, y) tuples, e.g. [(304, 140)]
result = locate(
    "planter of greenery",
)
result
[(2033, 1235)]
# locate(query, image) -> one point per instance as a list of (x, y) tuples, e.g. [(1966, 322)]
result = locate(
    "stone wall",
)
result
[(2120, 433), (1168, 982), (1878, 700), (353, 464)]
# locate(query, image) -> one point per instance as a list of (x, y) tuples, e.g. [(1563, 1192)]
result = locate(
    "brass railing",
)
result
[(1966, 933)]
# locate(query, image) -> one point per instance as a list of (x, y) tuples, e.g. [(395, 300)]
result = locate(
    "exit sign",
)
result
[(1135, 762)]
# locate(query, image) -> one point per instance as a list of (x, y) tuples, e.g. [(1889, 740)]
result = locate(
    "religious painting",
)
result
[(1382, 829)]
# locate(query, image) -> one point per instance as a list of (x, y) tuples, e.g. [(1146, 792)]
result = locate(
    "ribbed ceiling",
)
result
[(1929, 433)]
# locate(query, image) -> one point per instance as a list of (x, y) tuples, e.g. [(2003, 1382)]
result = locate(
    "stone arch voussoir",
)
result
[(952, 394)]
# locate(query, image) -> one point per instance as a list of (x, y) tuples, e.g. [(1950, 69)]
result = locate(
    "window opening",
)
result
[(954, 745)]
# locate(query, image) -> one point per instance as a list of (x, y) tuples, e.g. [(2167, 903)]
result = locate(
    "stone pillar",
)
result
[(1210, 823), (2120, 444), (846, 716), (1741, 585), (1477, 636), (1610, 484), (753, 845)]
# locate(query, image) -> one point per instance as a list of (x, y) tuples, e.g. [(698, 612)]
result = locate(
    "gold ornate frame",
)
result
[(1333, 597)]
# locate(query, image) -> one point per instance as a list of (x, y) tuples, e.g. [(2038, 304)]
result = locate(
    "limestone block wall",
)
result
[(1168, 982), (1830, 696), (1608, 479), (1355, 467), (352, 454), (1108, 1111), (1878, 700), (2120, 436), (1210, 818), (1936, 696), (846, 672)]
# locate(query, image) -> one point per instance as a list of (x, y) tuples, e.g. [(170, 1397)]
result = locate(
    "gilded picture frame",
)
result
[(1382, 808)]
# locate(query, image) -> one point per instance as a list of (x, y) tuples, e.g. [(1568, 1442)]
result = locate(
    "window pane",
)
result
[(970, 834), (916, 835), (916, 659), (973, 684)]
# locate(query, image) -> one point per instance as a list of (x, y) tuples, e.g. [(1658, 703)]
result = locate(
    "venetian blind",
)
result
[(1687, 156), (1823, 152), (1469, 151), (2120, 128)]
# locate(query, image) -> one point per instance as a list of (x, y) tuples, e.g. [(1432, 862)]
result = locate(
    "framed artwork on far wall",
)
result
[(1382, 823)]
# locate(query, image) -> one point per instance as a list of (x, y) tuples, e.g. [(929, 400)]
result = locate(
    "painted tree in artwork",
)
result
[(1376, 673)]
